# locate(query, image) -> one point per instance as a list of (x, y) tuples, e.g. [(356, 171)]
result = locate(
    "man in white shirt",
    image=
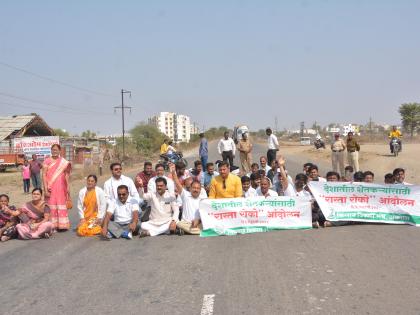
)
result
[(160, 172), (227, 148), (264, 189), (190, 222), (314, 174), (399, 175), (296, 190), (126, 216), (116, 180), (247, 190), (273, 145), (263, 165), (164, 211)]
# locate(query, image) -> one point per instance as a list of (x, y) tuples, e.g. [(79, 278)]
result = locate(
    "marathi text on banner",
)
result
[(366, 202), (40, 146), (256, 214)]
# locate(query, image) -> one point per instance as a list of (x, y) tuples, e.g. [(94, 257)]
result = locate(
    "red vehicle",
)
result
[(10, 158)]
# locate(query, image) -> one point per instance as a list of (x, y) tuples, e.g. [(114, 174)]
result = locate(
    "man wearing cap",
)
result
[(337, 155), (353, 149)]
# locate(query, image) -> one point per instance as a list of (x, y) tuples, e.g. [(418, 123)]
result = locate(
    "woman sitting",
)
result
[(91, 205), (35, 218), (7, 220)]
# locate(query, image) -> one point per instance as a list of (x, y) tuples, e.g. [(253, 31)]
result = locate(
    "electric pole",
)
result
[(123, 108), (276, 125)]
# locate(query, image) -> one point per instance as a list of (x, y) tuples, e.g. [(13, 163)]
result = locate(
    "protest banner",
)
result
[(250, 215), (40, 146), (367, 202)]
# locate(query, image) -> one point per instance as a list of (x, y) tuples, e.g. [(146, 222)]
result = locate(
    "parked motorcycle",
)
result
[(319, 143), (173, 158)]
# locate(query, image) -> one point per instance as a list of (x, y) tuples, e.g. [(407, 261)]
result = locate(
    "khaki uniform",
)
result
[(337, 155), (246, 157), (353, 149)]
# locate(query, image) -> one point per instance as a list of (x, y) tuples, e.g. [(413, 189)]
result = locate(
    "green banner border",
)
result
[(247, 230), (380, 217)]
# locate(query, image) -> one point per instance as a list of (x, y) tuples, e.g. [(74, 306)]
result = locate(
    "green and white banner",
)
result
[(366, 202), (257, 214)]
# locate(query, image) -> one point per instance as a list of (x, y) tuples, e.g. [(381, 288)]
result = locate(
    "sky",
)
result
[(220, 62)]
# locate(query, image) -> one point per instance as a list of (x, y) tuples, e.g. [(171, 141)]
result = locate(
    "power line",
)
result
[(43, 109), (52, 105), (39, 76)]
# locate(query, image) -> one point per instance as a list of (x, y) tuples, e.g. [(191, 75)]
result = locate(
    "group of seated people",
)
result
[(167, 202)]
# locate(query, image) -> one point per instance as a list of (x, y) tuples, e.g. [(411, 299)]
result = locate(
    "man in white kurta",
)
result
[(116, 180), (160, 172), (164, 210)]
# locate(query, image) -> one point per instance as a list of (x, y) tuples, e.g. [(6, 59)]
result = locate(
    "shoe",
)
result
[(130, 236), (179, 232), (124, 234), (109, 235), (143, 234)]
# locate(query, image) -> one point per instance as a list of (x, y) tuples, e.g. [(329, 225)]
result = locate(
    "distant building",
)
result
[(175, 126)]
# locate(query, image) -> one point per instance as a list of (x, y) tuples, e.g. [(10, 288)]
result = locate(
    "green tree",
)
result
[(147, 138), (410, 117), (89, 134), (61, 132)]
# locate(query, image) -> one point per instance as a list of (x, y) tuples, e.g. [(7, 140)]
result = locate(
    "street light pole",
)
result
[(123, 108)]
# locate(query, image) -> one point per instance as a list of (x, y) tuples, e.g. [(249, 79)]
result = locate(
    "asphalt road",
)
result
[(361, 269)]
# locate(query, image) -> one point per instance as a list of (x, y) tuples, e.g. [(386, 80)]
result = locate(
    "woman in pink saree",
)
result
[(56, 172), (34, 217)]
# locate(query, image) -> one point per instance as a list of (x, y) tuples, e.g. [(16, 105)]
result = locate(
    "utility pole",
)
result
[(276, 125), (123, 108)]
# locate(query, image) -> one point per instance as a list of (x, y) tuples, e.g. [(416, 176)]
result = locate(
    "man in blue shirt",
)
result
[(207, 176), (203, 151)]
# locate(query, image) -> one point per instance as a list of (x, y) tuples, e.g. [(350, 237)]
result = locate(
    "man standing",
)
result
[(353, 149), (273, 145), (203, 151), (126, 216), (116, 180), (225, 185), (337, 155), (35, 167), (164, 210), (245, 148), (227, 148), (146, 175), (208, 176), (190, 221)]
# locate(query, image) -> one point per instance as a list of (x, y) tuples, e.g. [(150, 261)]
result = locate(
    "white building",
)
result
[(173, 125)]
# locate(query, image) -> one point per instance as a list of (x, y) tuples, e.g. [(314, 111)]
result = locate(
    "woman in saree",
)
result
[(92, 206), (7, 219), (56, 173), (35, 218)]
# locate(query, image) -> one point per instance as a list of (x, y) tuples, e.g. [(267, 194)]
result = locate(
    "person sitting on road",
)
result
[(263, 165), (8, 221), (389, 178), (164, 213), (395, 134), (306, 167), (299, 188), (225, 185), (254, 169), (208, 176), (181, 172), (146, 174), (333, 176), (190, 221), (247, 190), (264, 189), (92, 206), (126, 216), (116, 180), (358, 177), (314, 174), (399, 175), (255, 180), (160, 172), (35, 218), (368, 177), (348, 173), (197, 172)]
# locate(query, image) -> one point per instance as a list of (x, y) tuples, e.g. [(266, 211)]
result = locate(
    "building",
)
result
[(175, 126)]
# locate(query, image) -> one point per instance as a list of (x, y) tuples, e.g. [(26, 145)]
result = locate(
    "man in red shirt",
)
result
[(145, 176)]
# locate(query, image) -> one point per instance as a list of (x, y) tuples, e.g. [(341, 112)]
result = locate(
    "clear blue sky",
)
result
[(221, 62)]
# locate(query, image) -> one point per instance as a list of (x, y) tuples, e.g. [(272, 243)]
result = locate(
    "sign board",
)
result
[(40, 146)]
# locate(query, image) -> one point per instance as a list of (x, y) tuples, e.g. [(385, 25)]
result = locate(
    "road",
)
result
[(361, 269)]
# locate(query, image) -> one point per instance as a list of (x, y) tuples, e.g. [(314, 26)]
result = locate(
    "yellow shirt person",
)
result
[(163, 148), (225, 185), (395, 134)]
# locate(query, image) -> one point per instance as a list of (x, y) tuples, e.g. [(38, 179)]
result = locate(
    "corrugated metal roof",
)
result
[(9, 124)]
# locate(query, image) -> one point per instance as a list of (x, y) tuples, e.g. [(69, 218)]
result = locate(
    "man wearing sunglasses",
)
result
[(126, 216), (116, 180), (225, 185)]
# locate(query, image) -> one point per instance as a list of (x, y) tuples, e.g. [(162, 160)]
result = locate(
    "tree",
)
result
[(88, 134), (61, 132), (147, 138), (410, 117)]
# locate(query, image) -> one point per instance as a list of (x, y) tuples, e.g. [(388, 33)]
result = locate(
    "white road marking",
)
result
[(208, 304)]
